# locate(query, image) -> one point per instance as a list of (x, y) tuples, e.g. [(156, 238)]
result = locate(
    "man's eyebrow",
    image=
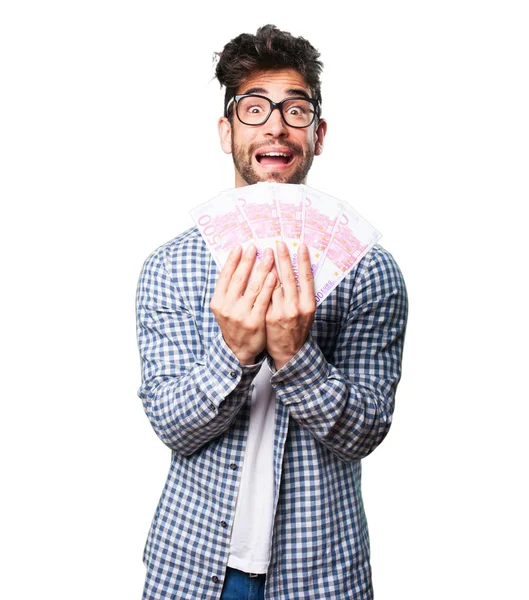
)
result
[(298, 92), (291, 92), (255, 90)]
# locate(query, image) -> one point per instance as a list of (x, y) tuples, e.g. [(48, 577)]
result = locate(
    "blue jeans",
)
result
[(240, 586)]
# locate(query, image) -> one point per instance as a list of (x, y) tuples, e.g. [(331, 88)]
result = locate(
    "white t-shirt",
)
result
[(252, 528)]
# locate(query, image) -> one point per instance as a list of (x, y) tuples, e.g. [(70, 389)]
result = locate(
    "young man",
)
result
[(267, 404)]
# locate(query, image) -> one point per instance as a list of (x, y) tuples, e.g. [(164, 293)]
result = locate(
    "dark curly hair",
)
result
[(269, 48)]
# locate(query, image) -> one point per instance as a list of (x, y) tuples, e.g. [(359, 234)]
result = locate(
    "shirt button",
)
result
[(233, 374), (233, 466), (223, 524), (215, 579)]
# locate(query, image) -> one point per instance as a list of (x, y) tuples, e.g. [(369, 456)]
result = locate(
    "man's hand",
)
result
[(240, 307), (291, 312)]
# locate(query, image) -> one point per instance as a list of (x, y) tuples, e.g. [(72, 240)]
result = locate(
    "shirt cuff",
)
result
[(303, 372), (223, 374)]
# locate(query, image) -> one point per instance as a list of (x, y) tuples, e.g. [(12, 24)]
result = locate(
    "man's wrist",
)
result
[(307, 368), (281, 362), (257, 360), (248, 361)]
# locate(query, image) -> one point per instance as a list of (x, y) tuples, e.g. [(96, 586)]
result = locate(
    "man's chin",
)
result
[(276, 176), (251, 176)]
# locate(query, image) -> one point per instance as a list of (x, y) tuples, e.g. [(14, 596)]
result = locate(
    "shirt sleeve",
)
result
[(348, 404), (189, 394)]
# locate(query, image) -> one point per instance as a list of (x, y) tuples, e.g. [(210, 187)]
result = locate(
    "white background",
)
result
[(108, 137)]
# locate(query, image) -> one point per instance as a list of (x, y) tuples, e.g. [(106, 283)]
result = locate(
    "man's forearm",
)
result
[(189, 408)]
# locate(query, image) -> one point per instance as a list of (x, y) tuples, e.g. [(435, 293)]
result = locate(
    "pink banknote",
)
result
[(291, 211), (223, 226), (265, 213), (321, 215), (258, 206), (353, 237)]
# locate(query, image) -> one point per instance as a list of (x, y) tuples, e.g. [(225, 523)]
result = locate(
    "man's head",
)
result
[(266, 69)]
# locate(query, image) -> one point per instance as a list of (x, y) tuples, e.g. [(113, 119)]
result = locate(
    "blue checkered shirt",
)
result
[(334, 403)]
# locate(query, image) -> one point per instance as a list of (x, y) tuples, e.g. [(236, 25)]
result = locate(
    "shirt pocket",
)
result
[(325, 333)]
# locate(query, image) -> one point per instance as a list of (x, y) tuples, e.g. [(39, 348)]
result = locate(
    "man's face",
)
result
[(248, 143)]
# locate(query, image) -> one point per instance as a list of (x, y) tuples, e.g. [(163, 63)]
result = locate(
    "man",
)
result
[(267, 404)]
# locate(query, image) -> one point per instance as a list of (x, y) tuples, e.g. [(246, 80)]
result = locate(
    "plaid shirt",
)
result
[(334, 402)]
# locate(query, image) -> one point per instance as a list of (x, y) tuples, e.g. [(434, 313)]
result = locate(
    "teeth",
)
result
[(274, 154)]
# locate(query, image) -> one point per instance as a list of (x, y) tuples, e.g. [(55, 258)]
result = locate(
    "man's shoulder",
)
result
[(188, 242), (378, 275), (182, 268), (381, 261), (377, 268), (185, 249)]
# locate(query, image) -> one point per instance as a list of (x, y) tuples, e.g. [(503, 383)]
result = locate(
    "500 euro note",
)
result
[(223, 226), (291, 211), (258, 206), (336, 235), (353, 237), (321, 215)]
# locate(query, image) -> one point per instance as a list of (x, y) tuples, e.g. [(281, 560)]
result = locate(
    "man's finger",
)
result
[(277, 292), (228, 269), (256, 282), (241, 275), (262, 302), (288, 279), (306, 279)]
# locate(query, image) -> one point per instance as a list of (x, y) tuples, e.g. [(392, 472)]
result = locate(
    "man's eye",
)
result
[(296, 111), (254, 109)]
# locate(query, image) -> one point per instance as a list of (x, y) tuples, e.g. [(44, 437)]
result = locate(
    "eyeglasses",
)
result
[(252, 109)]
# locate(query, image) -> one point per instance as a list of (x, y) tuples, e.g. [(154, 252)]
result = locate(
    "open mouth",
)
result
[(274, 159)]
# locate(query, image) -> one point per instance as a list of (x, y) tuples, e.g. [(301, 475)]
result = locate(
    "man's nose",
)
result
[(275, 125)]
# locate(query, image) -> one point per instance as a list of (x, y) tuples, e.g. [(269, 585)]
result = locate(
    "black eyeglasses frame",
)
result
[(273, 106)]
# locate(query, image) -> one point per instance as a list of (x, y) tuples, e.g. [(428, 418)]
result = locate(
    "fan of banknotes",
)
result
[(265, 213)]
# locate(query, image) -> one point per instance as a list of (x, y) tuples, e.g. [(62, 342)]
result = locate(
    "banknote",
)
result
[(265, 213), (258, 205), (223, 226), (291, 210), (321, 214), (353, 237)]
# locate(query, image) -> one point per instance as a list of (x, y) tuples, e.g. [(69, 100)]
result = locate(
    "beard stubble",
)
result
[(242, 159)]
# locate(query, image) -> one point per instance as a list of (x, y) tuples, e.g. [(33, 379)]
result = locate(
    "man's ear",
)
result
[(319, 134), (224, 127)]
